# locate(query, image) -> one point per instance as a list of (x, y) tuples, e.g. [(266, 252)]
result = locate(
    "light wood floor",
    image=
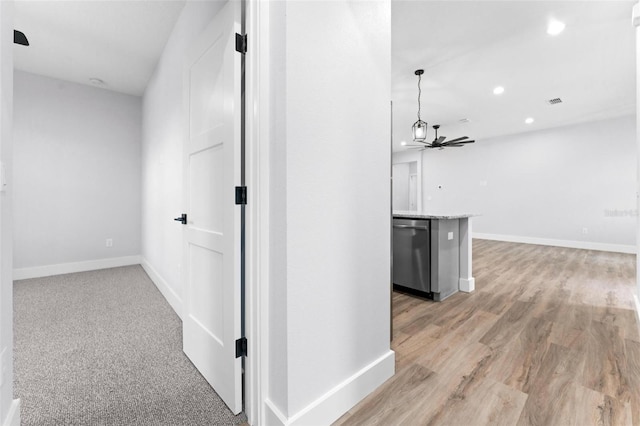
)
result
[(549, 337)]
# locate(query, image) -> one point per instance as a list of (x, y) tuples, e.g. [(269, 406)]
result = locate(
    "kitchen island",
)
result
[(438, 265)]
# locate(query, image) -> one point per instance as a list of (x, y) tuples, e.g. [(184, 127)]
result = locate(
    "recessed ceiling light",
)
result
[(555, 27), (529, 120), (403, 143), (96, 81), (499, 90)]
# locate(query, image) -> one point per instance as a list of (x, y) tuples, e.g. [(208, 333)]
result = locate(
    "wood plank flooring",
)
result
[(549, 337)]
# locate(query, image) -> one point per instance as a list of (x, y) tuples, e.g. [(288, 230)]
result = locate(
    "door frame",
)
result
[(257, 170)]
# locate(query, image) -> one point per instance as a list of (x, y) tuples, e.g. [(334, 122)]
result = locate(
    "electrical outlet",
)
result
[(109, 242), (585, 231)]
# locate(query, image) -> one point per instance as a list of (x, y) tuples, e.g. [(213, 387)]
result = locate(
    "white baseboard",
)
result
[(174, 300), (332, 405), (69, 268), (617, 248), (273, 416), (467, 285), (13, 416)]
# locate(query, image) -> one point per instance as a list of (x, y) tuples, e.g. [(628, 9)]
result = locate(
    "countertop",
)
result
[(424, 215)]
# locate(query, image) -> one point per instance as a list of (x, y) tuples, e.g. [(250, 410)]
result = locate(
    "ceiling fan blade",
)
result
[(20, 38), (458, 139), (460, 143), (439, 140)]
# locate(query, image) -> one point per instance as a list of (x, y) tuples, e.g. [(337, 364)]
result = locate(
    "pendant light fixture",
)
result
[(419, 127)]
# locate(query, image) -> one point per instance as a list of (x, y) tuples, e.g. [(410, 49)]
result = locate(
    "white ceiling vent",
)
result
[(554, 101)]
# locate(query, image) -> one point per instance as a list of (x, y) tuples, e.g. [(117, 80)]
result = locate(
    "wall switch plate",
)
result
[(450, 236), (585, 231), (109, 242)]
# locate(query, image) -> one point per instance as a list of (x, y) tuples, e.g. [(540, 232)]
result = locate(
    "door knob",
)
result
[(182, 218)]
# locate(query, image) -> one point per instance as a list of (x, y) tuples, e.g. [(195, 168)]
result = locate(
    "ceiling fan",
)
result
[(439, 142), (20, 38)]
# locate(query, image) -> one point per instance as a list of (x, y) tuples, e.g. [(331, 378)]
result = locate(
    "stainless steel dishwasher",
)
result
[(412, 254)]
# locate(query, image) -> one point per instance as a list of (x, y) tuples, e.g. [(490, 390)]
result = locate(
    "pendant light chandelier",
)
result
[(419, 127)]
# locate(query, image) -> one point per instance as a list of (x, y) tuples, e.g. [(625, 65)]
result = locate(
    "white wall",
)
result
[(162, 134), (544, 185), (9, 408), (330, 232), (636, 23), (77, 172)]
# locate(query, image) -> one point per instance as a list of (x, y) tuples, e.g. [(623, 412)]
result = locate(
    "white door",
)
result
[(211, 265)]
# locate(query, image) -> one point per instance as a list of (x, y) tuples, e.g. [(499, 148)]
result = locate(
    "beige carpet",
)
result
[(105, 348)]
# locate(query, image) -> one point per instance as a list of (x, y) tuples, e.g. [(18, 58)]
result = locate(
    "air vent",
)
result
[(554, 101)]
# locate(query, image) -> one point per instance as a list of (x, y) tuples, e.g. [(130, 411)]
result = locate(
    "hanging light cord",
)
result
[(419, 93)]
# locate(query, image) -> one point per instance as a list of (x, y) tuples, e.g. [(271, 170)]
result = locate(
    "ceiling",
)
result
[(467, 48), (118, 42)]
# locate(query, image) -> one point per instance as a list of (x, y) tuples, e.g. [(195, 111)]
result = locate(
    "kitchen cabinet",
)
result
[(432, 253)]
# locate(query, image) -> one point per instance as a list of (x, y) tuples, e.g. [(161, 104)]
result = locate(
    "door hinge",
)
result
[(241, 43), (241, 195), (241, 347)]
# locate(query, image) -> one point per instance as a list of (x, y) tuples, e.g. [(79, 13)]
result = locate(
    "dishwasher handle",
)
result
[(425, 228)]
